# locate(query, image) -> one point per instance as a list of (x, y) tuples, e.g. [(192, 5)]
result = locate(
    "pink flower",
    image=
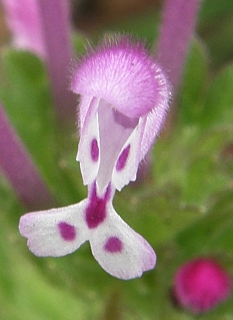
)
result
[(201, 284), (22, 17), (124, 97)]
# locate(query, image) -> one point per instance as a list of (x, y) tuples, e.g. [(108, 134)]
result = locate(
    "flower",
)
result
[(201, 284), (22, 17), (124, 97)]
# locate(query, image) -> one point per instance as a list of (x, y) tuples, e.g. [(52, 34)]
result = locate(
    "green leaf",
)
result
[(194, 84), (25, 93), (26, 99), (25, 293), (144, 26), (212, 234), (217, 109)]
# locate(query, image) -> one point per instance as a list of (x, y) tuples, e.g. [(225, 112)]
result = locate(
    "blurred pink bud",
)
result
[(201, 284), (23, 20)]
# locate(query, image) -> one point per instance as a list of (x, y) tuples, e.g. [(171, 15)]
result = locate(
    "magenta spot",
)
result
[(108, 193), (96, 210), (113, 245), (94, 150), (67, 231), (122, 159)]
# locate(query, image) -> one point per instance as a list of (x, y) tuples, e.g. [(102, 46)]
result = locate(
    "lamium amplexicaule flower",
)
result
[(124, 97)]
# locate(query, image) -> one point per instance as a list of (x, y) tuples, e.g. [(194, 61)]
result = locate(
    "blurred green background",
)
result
[(184, 207)]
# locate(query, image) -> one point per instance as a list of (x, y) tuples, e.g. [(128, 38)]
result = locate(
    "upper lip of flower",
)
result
[(124, 99), (123, 74)]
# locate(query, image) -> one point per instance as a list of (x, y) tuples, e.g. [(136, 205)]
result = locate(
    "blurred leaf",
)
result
[(143, 26), (79, 42), (194, 83), (25, 293), (216, 27), (25, 94), (219, 103), (219, 41), (211, 10)]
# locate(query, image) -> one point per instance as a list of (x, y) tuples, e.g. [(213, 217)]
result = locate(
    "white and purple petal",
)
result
[(89, 144), (119, 250), (115, 130), (55, 232), (126, 165)]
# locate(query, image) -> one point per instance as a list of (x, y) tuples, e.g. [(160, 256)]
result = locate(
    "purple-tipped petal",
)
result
[(123, 74), (103, 135), (55, 232), (126, 166), (119, 250), (88, 149), (156, 118)]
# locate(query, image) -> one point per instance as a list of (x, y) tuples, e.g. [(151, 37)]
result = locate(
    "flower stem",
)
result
[(20, 170), (179, 19), (54, 15)]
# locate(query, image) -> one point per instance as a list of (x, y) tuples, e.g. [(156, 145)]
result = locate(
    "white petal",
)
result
[(55, 232), (156, 118), (119, 250), (89, 145), (115, 129), (127, 170)]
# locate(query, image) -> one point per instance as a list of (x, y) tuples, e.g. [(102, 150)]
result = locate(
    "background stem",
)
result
[(54, 15), (20, 170), (178, 25)]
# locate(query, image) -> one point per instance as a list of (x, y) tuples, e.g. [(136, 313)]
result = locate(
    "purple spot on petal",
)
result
[(67, 231), (113, 245), (122, 159), (108, 193), (96, 210), (94, 150)]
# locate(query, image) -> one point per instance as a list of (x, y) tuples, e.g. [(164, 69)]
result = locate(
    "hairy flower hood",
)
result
[(124, 99)]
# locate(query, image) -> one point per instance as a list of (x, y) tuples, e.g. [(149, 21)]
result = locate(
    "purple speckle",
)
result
[(108, 193), (96, 210), (122, 159), (113, 245), (94, 150), (67, 231)]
